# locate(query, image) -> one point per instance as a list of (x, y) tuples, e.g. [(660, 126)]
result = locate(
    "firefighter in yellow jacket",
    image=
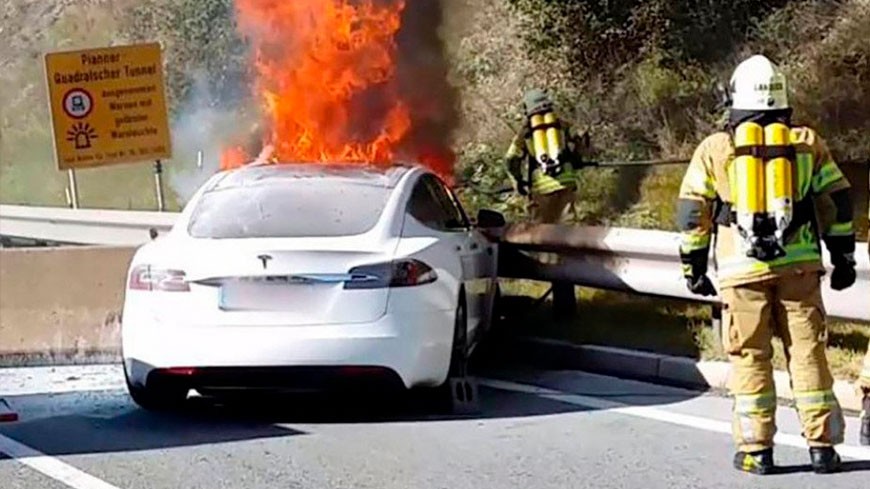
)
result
[(752, 192), (543, 158)]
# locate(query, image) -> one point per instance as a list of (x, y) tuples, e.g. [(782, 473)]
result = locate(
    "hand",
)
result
[(843, 277), (523, 189), (700, 285)]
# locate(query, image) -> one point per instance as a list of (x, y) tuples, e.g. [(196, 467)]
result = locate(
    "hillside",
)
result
[(640, 76)]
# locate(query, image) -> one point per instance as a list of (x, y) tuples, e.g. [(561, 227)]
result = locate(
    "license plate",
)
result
[(263, 295)]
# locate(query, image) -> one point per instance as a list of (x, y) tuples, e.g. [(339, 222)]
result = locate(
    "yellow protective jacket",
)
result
[(705, 188), (520, 154)]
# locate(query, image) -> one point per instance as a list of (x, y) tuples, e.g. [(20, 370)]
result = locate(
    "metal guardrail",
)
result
[(82, 226), (627, 260), (637, 261)]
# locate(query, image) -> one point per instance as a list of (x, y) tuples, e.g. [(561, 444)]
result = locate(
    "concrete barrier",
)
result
[(61, 305)]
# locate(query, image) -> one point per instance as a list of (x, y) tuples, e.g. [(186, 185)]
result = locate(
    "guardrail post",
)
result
[(564, 300), (716, 316)]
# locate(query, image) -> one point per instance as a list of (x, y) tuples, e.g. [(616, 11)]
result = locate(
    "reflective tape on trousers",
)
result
[(810, 399), (755, 403)]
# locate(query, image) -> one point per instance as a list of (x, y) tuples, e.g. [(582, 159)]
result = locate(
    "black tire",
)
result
[(440, 398), (459, 351), (495, 313), (156, 399)]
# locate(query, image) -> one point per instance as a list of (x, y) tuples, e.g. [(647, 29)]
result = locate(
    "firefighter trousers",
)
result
[(791, 308), (551, 208)]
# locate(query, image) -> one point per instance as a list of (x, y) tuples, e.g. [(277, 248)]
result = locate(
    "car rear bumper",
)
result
[(416, 347)]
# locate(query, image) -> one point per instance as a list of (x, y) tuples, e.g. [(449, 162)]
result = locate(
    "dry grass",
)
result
[(671, 327)]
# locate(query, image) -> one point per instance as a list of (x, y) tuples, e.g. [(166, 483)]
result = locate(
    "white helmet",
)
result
[(758, 84)]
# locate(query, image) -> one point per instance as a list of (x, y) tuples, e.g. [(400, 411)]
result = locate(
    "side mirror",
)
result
[(153, 233), (490, 219)]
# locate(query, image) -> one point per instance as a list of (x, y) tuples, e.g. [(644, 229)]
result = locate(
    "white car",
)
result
[(309, 277)]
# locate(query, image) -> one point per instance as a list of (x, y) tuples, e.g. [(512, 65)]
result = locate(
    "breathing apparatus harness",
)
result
[(761, 204), (548, 144)]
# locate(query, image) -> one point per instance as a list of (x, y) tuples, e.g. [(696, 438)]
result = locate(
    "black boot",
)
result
[(825, 460), (864, 439), (760, 462)]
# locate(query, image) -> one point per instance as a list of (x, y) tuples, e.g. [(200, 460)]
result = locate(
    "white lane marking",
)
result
[(658, 414), (50, 466)]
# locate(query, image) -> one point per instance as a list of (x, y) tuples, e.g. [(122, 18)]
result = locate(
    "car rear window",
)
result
[(289, 208)]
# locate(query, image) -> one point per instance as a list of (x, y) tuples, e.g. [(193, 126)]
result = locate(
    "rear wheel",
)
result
[(457, 394), (459, 351), (495, 311), (153, 398)]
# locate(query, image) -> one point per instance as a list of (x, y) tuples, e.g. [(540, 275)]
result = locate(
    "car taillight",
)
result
[(400, 273), (146, 277)]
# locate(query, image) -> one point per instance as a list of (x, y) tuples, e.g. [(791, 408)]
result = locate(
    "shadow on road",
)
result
[(115, 424), (848, 466), (105, 422), (135, 429)]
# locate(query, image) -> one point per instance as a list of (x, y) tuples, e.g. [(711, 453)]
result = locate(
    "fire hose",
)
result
[(585, 164)]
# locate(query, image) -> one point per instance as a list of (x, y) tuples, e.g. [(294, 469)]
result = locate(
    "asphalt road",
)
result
[(535, 429)]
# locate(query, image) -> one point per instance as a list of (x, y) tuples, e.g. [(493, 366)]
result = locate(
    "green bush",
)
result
[(640, 75)]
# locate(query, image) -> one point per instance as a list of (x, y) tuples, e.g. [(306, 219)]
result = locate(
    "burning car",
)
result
[(309, 277)]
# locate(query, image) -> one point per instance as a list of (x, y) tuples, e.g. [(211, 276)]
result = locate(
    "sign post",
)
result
[(73, 190), (158, 185), (108, 107)]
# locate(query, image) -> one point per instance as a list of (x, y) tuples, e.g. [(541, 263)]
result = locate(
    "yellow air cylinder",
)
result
[(747, 182), (539, 138), (555, 144), (778, 178)]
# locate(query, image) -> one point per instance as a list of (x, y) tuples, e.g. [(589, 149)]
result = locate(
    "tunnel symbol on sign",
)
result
[(77, 103), (81, 133)]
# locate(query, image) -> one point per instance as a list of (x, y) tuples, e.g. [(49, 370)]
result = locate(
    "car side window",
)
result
[(430, 205), (450, 204)]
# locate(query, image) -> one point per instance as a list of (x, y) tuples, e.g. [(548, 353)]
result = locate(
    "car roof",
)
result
[(364, 174)]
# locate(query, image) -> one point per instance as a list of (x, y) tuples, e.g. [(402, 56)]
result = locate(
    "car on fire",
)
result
[(309, 277)]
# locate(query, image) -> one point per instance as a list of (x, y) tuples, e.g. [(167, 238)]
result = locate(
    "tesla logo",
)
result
[(264, 259)]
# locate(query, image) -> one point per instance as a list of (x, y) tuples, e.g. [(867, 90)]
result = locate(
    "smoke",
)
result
[(423, 84), (202, 128)]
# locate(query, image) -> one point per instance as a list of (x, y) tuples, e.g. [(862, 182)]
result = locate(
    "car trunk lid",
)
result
[(298, 281)]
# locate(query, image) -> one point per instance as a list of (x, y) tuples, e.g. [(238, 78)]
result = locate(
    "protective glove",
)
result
[(843, 277), (695, 272), (523, 188), (701, 285), (842, 250), (844, 274)]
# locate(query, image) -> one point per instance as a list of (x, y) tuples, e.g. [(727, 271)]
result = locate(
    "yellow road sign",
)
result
[(108, 106)]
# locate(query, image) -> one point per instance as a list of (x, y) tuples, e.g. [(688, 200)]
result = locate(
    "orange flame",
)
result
[(233, 157), (326, 77)]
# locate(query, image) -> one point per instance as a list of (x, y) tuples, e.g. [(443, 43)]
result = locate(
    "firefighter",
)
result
[(751, 192), (550, 151)]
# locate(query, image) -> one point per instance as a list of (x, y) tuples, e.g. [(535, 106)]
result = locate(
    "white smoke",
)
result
[(199, 134)]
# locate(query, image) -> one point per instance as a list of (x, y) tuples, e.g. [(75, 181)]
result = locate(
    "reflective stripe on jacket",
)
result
[(706, 181)]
